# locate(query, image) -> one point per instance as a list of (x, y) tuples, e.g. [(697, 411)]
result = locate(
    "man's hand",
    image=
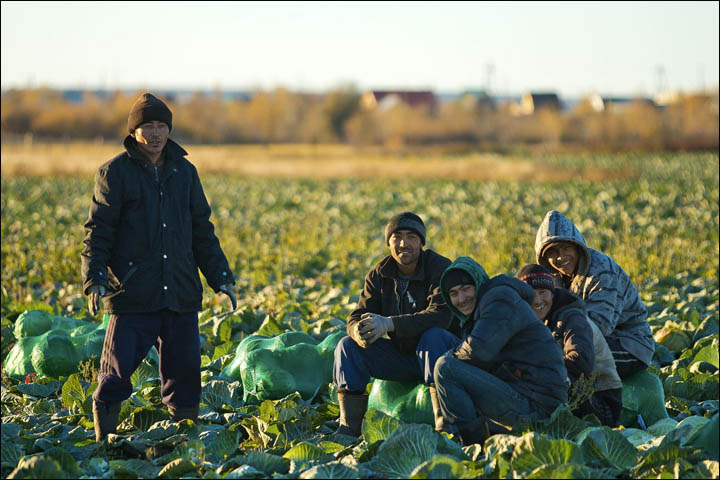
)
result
[(227, 289), (374, 326), (355, 335), (96, 292)]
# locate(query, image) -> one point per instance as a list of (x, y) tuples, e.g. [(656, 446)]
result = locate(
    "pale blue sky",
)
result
[(573, 48)]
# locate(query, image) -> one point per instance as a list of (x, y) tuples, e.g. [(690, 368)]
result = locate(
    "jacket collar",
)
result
[(172, 151), (388, 267)]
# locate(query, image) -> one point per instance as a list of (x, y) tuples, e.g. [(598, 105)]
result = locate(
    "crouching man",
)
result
[(611, 299), (402, 298), (585, 350), (147, 233), (507, 369)]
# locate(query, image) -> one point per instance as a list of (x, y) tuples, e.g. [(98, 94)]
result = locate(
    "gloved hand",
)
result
[(355, 334), (96, 292), (374, 326), (227, 289)]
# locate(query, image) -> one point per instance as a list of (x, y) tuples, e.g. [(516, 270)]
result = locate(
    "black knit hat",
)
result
[(456, 277), (536, 276), (146, 109), (403, 221)]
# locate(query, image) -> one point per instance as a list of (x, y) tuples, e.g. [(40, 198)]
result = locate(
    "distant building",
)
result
[(616, 104), (386, 99), (533, 102)]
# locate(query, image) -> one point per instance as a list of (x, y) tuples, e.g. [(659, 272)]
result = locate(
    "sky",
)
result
[(573, 48)]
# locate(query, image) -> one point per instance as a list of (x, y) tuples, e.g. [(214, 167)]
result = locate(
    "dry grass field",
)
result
[(310, 161)]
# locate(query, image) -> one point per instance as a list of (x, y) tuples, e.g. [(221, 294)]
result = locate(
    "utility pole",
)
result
[(661, 79), (489, 72)]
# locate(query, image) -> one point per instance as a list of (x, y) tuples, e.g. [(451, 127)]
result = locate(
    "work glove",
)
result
[(227, 289), (96, 292), (355, 334), (374, 326)]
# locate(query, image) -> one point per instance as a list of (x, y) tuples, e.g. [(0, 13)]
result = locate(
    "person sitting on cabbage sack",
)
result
[(611, 299), (401, 297), (584, 348), (508, 369)]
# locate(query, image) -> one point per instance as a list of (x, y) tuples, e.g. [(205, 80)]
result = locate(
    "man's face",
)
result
[(542, 302), (152, 137), (462, 297), (405, 246), (563, 257)]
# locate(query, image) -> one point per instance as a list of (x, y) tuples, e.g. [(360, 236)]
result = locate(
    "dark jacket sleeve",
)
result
[(206, 246), (496, 322), (370, 299), (435, 315), (578, 346), (101, 226)]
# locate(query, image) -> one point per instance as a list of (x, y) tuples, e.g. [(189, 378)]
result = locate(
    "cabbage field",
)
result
[(300, 249)]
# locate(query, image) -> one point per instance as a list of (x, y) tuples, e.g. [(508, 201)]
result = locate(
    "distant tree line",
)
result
[(283, 116)]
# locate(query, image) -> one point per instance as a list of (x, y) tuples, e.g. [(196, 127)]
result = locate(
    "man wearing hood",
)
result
[(147, 233), (584, 348), (507, 369), (611, 299), (401, 298)]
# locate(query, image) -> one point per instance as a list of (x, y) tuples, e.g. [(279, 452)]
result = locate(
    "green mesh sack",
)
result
[(274, 367), (408, 401), (52, 346), (642, 393)]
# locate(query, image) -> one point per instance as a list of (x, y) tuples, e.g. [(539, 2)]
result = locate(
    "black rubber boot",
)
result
[(439, 420), (183, 413), (352, 411), (474, 432), (105, 418)]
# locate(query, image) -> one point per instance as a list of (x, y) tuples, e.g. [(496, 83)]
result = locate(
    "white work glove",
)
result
[(374, 326), (227, 289), (96, 292)]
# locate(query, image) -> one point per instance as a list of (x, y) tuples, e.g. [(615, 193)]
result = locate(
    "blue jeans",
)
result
[(466, 392), (129, 337), (354, 365)]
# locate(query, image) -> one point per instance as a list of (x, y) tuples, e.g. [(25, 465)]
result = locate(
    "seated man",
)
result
[(401, 297), (611, 300), (585, 350), (508, 369)]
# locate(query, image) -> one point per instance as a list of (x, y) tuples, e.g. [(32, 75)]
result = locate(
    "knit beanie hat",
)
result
[(456, 277), (402, 221), (536, 276), (146, 109)]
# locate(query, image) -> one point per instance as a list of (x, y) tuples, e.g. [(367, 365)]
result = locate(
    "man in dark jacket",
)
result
[(508, 369), (401, 298), (585, 350), (147, 233)]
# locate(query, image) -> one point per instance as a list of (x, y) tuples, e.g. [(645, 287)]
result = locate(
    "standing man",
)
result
[(401, 298), (147, 233)]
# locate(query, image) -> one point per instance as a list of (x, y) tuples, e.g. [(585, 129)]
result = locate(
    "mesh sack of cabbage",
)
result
[(407, 401), (274, 367), (643, 395), (51, 345)]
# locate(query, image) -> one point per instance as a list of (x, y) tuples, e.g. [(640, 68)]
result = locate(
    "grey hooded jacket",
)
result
[(611, 299)]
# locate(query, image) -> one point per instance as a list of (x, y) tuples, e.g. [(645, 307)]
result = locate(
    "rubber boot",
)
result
[(352, 411), (105, 418), (476, 431), (439, 421), (183, 413)]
